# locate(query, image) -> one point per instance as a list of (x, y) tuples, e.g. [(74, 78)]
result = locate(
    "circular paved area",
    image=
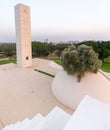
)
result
[(25, 92)]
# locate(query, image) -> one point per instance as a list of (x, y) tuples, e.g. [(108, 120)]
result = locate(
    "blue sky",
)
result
[(59, 20)]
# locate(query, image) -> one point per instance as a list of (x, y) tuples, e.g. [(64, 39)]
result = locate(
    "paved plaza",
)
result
[(25, 92)]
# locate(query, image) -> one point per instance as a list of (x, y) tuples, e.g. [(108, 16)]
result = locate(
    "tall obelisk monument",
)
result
[(23, 35)]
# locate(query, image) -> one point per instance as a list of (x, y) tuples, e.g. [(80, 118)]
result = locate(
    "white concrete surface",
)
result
[(16, 126), (23, 35), (70, 92), (25, 92), (91, 114), (8, 127), (34, 122), (23, 124), (54, 65), (107, 75), (26, 124), (55, 120), (7, 66)]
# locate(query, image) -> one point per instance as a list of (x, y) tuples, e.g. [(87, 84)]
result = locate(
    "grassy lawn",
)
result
[(57, 61), (106, 67), (7, 62)]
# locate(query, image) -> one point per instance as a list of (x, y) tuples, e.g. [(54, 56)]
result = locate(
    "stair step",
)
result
[(31, 124), (16, 125), (35, 121), (55, 120), (8, 127), (23, 123), (26, 124)]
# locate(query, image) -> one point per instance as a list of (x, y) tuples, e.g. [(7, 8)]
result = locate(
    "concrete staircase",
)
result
[(91, 114), (55, 120)]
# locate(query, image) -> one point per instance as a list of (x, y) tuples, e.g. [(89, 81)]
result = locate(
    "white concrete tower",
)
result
[(23, 35)]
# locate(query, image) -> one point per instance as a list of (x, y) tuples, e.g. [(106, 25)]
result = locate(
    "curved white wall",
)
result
[(70, 92)]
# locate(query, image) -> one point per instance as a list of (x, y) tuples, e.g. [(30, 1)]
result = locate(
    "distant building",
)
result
[(73, 42), (69, 42)]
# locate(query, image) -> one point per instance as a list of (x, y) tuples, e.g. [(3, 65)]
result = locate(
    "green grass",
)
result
[(106, 66), (107, 59), (2, 56), (7, 62), (45, 73), (57, 61)]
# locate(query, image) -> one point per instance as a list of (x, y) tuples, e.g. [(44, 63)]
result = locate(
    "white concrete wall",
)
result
[(70, 92), (91, 114), (23, 35)]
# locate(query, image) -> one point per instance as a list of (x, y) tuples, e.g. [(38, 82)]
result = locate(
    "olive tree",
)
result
[(80, 60)]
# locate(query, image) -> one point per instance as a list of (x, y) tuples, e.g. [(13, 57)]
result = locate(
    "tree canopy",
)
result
[(102, 48), (80, 60), (8, 49), (43, 49)]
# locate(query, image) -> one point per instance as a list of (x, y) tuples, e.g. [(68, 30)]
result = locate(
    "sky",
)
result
[(59, 20)]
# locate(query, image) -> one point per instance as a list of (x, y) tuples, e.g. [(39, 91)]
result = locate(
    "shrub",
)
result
[(80, 60)]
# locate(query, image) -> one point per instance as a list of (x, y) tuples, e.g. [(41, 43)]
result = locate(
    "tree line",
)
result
[(100, 47), (7, 50), (43, 49), (40, 49)]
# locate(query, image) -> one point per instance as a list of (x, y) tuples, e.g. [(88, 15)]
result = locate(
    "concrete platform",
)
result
[(25, 92)]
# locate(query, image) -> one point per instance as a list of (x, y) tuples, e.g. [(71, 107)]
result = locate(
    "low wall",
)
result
[(70, 92)]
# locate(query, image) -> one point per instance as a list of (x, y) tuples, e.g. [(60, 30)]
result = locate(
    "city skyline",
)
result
[(59, 20)]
